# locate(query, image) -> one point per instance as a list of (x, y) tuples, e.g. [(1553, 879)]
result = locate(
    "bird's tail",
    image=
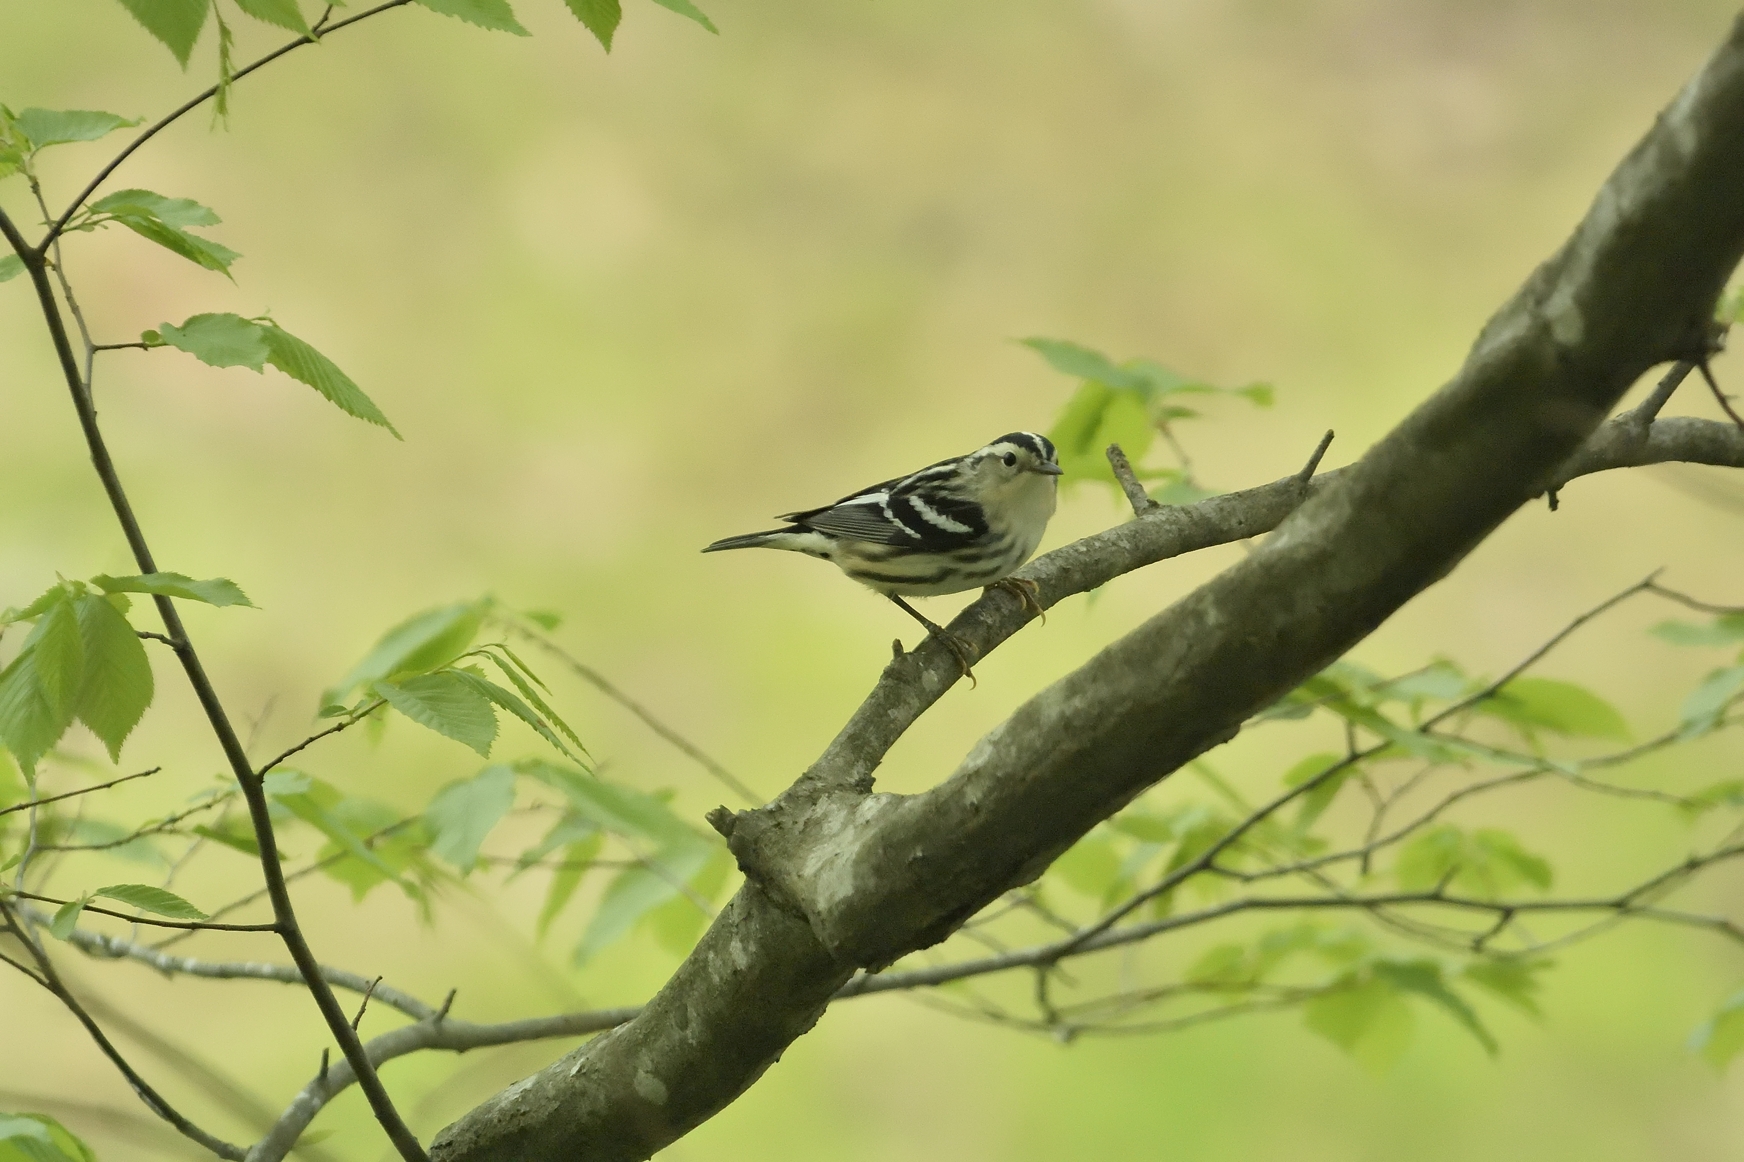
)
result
[(765, 540)]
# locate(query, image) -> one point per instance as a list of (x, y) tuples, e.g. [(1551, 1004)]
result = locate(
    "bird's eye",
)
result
[(1010, 459)]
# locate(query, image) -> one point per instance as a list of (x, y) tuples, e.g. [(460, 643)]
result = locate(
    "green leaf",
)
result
[(495, 15), (1721, 1037), (1088, 866), (1512, 978), (322, 807), (564, 880), (1317, 800), (39, 1138), (201, 251), (1702, 709), (283, 13), (637, 891), (686, 8), (616, 808), (234, 834), (222, 340), (177, 212), (1224, 964), (1488, 863), (216, 591), (545, 619), (66, 917), (38, 689), (117, 684), (447, 703), (306, 365), (1261, 394), (463, 813), (1560, 707), (396, 852), (677, 923), (600, 16), (176, 23), (1423, 977), (1180, 492), (1080, 361), (1724, 630), (11, 266), (60, 656), (1440, 681), (423, 642), (46, 127), (542, 721), (1366, 1017), (152, 899)]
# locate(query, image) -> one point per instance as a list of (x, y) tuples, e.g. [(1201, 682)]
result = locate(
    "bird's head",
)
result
[(1013, 464)]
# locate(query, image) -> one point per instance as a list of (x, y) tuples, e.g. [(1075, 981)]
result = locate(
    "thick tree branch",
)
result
[(840, 877)]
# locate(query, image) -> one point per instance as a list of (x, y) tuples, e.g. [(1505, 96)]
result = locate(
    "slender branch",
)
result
[(598, 681), (188, 925), (350, 721), (34, 803), (60, 224), (154, 1101), (1141, 501), (284, 912), (113, 947)]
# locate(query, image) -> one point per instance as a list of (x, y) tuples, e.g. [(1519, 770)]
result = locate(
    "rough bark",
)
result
[(842, 877)]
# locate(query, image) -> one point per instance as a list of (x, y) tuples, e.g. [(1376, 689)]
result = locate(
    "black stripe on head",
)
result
[(1040, 445)]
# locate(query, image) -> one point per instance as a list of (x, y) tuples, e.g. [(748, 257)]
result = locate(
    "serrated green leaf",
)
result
[(599, 16), (66, 918), (216, 591), (495, 15), (117, 684), (637, 891), (283, 13), (618, 809), (201, 251), (686, 8), (564, 880), (1560, 707), (1423, 978), (423, 642), (60, 656), (1702, 709), (46, 127), (306, 365), (176, 23), (463, 813), (177, 212), (1512, 978), (544, 719), (233, 834), (39, 1138), (1366, 1017), (36, 608), (148, 898), (34, 715), (1721, 1038), (11, 266), (446, 702), (1085, 363), (221, 340)]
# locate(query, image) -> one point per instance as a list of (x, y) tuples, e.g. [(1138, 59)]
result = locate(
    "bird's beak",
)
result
[(1048, 470)]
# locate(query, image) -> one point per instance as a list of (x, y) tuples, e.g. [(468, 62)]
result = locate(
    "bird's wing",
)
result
[(860, 517)]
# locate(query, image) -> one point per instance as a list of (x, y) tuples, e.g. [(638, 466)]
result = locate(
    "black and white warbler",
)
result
[(967, 521)]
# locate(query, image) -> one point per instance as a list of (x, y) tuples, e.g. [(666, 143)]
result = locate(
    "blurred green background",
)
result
[(621, 306)]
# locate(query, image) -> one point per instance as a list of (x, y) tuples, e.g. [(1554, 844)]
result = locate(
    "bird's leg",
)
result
[(1026, 591), (958, 646)]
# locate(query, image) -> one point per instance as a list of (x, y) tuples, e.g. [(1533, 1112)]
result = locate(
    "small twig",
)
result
[(1641, 417), (1689, 602), (1313, 465), (447, 1003), (1723, 399), (595, 679), (189, 925), (1135, 492), (363, 1007), (158, 637), (351, 721), (27, 805)]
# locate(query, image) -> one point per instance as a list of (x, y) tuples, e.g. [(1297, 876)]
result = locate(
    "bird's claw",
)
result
[(1027, 592)]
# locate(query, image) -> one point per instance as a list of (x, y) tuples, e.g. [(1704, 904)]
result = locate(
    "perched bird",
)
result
[(967, 521)]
